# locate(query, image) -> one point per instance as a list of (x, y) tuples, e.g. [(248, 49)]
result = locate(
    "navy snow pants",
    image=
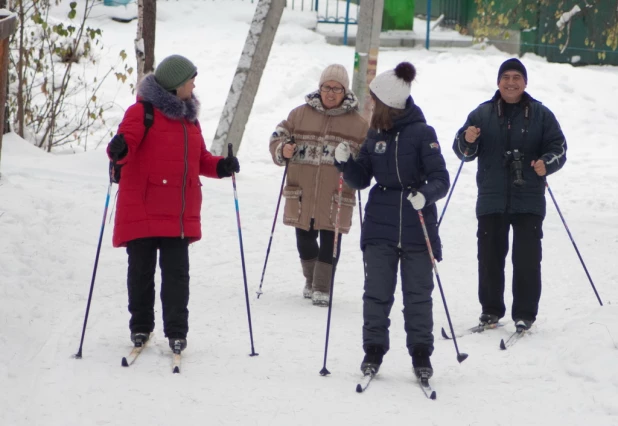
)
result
[(381, 264)]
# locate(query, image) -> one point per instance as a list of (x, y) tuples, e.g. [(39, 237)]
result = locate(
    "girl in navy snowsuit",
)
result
[(402, 153)]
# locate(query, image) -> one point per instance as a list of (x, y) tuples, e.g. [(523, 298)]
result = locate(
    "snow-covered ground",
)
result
[(565, 372)]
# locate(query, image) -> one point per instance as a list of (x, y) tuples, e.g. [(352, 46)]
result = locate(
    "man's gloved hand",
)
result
[(342, 152), (226, 166), (418, 200), (118, 147)]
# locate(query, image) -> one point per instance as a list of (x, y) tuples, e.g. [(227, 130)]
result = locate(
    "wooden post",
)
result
[(8, 23), (248, 75), (366, 56)]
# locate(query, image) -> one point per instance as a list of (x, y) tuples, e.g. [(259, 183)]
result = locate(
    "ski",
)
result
[(512, 339), (130, 359), (135, 352), (368, 376), (176, 357), (423, 381), (176, 362), (476, 329)]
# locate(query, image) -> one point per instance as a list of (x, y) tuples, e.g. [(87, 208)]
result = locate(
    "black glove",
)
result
[(118, 147), (226, 166)]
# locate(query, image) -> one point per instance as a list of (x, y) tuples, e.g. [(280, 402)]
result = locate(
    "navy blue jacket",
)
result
[(403, 159), (537, 136)]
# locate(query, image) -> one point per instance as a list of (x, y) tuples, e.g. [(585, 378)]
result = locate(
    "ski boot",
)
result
[(139, 339), (421, 364), (488, 319), (523, 325), (177, 344), (372, 361)]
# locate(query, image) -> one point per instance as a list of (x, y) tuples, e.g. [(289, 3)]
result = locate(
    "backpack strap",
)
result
[(148, 116)]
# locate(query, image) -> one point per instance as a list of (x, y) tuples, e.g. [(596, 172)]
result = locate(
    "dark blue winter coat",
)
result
[(532, 129), (403, 159)]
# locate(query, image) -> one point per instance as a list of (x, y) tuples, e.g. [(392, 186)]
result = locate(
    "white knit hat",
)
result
[(338, 73), (393, 86)]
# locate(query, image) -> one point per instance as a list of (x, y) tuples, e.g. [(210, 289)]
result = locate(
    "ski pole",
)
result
[(272, 230), (452, 188), (360, 209), (230, 153), (78, 355), (324, 371), (574, 245), (460, 356), (360, 214), (451, 192)]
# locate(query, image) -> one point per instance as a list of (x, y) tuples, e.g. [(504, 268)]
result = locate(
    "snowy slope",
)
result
[(51, 207)]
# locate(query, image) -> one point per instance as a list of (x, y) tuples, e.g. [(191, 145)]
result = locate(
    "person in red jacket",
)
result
[(160, 197)]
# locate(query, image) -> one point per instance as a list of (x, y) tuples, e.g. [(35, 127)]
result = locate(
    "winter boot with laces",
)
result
[(488, 319), (421, 363), (373, 359), (139, 339), (177, 344)]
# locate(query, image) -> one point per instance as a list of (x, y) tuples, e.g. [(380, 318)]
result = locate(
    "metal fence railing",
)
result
[(329, 11)]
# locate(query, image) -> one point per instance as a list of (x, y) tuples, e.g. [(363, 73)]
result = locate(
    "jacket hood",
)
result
[(411, 114), (169, 104), (349, 104)]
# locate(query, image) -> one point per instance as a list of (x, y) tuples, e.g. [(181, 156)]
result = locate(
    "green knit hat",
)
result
[(174, 71)]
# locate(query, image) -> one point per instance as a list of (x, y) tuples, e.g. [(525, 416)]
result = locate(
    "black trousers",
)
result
[(493, 246), (308, 248), (174, 264)]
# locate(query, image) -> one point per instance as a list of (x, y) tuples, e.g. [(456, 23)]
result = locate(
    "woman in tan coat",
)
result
[(329, 117)]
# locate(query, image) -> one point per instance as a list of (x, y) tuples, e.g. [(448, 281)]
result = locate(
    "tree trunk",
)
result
[(7, 124), (248, 75), (7, 27), (145, 38), (7, 116), (20, 72)]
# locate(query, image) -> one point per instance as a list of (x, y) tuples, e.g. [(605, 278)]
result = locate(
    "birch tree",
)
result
[(248, 75), (7, 126), (145, 38)]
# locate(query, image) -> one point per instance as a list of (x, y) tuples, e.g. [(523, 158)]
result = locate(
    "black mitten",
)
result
[(226, 166), (118, 147)]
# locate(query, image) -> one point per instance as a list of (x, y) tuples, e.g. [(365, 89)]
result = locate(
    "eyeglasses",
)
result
[(336, 90)]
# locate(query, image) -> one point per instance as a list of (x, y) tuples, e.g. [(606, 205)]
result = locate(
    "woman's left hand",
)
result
[(418, 200)]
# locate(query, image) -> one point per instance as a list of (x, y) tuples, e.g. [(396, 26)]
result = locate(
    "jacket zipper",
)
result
[(317, 175), (508, 170), (184, 181), (401, 193)]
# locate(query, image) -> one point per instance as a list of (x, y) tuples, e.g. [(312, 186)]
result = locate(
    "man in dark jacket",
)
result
[(518, 142)]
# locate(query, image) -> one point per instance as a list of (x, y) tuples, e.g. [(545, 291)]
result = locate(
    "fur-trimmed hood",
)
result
[(169, 104), (349, 104)]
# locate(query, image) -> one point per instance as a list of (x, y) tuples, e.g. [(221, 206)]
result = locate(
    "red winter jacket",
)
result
[(160, 193)]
